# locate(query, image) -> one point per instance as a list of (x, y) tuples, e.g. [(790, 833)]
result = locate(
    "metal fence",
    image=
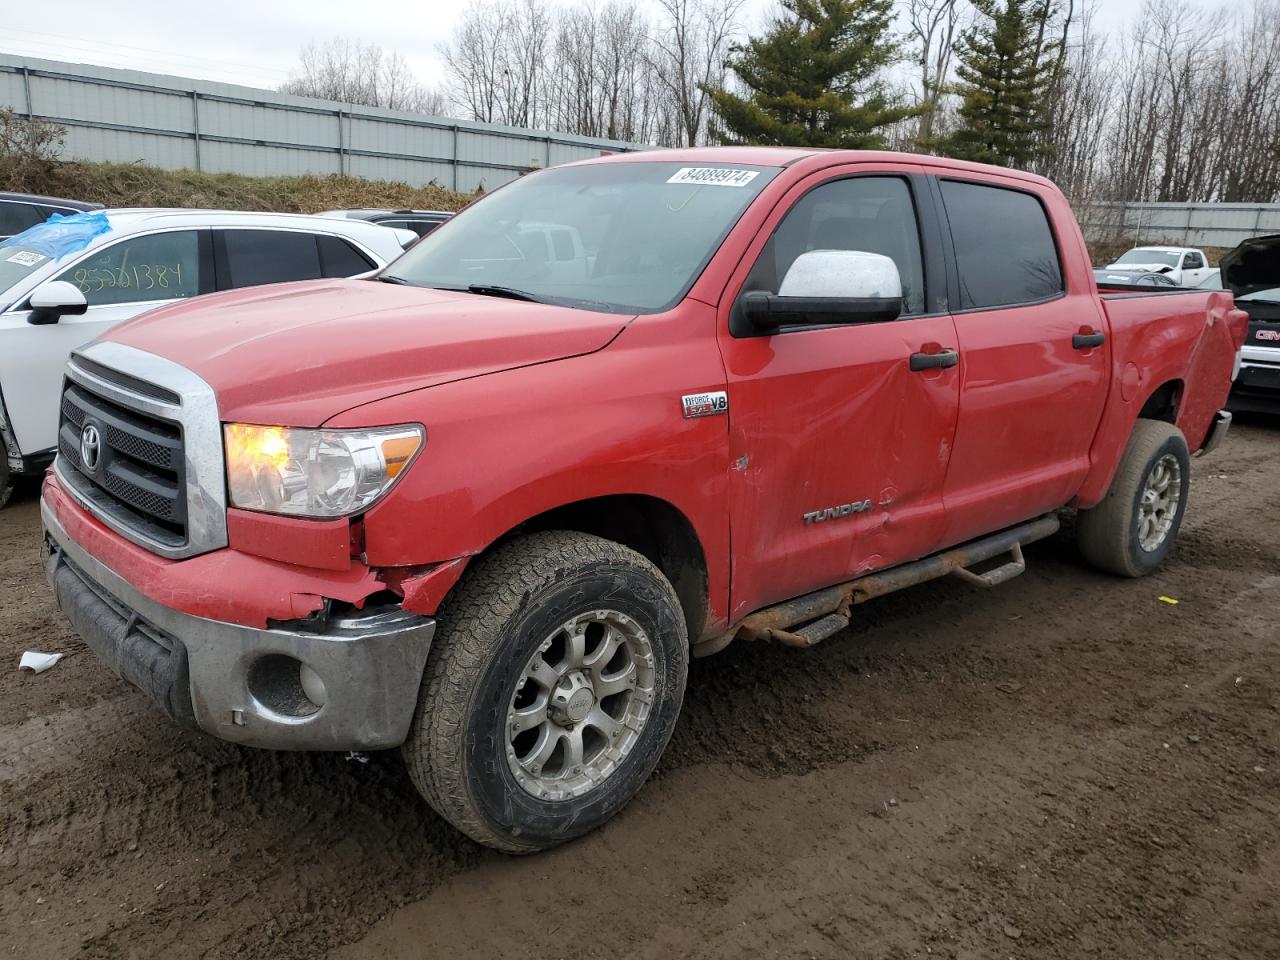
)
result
[(176, 123), (1183, 224)]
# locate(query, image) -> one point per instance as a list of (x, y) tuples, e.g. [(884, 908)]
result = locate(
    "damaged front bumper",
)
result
[(349, 685)]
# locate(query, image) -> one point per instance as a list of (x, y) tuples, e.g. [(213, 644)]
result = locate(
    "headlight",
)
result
[(315, 473)]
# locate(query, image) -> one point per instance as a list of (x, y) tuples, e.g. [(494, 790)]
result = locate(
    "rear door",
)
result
[(839, 448), (1034, 358), (120, 281)]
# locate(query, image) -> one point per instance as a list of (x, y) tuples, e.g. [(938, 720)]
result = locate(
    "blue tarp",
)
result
[(61, 235)]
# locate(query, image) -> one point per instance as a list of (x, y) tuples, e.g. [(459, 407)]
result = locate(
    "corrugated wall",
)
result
[(128, 116), (1183, 224)]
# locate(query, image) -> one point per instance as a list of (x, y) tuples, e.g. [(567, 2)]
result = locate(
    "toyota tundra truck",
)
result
[(485, 505)]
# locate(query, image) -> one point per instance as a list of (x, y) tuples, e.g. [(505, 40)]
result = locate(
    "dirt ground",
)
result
[(1064, 767)]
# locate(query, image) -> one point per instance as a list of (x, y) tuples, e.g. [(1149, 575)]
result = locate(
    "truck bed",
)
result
[(1109, 292)]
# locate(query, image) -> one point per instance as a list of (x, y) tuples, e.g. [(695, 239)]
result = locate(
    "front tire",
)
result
[(554, 683), (1133, 529)]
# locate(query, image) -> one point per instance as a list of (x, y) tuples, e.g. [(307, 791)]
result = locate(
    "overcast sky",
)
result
[(255, 42)]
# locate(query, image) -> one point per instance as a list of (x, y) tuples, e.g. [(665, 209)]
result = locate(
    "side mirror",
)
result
[(54, 300), (825, 287)]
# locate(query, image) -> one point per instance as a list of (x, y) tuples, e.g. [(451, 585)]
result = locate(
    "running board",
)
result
[(827, 612)]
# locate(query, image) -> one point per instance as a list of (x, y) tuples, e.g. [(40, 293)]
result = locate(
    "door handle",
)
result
[(934, 361), (1087, 341)]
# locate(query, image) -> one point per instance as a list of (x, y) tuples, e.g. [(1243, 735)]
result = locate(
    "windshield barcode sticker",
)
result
[(27, 258), (713, 176)]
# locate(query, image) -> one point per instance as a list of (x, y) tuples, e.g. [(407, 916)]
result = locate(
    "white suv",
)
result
[(65, 282)]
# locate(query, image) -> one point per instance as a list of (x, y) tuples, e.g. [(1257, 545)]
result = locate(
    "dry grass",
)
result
[(136, 185)]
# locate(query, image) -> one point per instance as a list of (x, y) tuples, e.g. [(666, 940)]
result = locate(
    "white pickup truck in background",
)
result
[(1185, 266)]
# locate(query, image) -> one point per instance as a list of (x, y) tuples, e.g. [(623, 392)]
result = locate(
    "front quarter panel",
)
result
[(506, 447)]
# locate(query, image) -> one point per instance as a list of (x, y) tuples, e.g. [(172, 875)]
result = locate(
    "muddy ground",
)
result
[(1063, 767)]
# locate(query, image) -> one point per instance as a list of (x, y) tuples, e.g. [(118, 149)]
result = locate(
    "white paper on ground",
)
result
[(38, 662)]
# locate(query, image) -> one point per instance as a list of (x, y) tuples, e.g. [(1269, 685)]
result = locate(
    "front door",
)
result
[(838, 447), (119, 281)]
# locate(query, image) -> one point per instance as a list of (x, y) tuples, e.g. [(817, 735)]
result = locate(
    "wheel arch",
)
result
[(654, 528), (1163, 402)]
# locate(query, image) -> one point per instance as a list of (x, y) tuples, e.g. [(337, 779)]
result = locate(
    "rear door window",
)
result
[(1004, 246), (338, 258), (255, 257), (158, 266), (16, 217)]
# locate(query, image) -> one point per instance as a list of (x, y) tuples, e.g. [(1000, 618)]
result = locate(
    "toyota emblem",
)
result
[(90, 447)]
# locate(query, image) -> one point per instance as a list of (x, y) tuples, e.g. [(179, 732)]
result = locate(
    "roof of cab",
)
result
[(787, 156)]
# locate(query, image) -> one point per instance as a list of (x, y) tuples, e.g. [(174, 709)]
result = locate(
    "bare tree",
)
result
[(1079, 104), (360, 73), (474, 58), (29, 149), (932, 25), (690, 47)]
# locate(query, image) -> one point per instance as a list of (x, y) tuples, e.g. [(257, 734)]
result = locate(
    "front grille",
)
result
[(138, 474), (157, 478)]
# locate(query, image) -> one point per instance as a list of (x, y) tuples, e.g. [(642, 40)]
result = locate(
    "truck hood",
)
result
[(1252, 266), (298, 354)]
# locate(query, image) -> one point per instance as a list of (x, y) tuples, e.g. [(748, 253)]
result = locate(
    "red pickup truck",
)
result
[(485, 505)]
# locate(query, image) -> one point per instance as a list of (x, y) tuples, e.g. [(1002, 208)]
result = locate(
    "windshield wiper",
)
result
[(390, 278), (489, 290)]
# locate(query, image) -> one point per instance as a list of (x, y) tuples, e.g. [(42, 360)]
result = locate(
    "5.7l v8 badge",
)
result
[(705, 404)]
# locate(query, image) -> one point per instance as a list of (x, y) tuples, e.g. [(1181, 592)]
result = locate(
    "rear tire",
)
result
[(7, 480), (1133, 529), (554, 683)]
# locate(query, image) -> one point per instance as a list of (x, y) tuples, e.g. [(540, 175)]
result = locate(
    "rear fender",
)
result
[(1152, 348)]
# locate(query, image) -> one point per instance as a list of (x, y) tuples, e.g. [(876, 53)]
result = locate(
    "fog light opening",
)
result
[(286, 686)]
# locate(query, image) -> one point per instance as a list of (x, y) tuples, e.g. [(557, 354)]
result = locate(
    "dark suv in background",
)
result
[(420, 222), (18, 211)]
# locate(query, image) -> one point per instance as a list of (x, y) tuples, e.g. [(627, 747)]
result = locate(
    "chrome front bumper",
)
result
[(246, 685)]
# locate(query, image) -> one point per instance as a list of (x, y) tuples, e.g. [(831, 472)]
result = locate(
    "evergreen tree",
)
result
[(814, 78), (1006, 67)]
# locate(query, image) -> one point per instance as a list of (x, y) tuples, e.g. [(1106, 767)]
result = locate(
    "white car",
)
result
[(1185, 266), (64, 283)]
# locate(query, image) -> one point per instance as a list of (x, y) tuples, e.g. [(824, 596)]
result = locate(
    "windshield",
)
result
[(17, 262), (1151, 256), (54, 239), (621, 237), (1263, 296)]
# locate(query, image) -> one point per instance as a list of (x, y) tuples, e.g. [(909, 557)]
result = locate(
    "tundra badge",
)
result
[(705, 404), (843, 510)]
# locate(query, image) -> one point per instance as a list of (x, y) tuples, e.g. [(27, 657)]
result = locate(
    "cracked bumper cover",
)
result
[(208, 673)]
